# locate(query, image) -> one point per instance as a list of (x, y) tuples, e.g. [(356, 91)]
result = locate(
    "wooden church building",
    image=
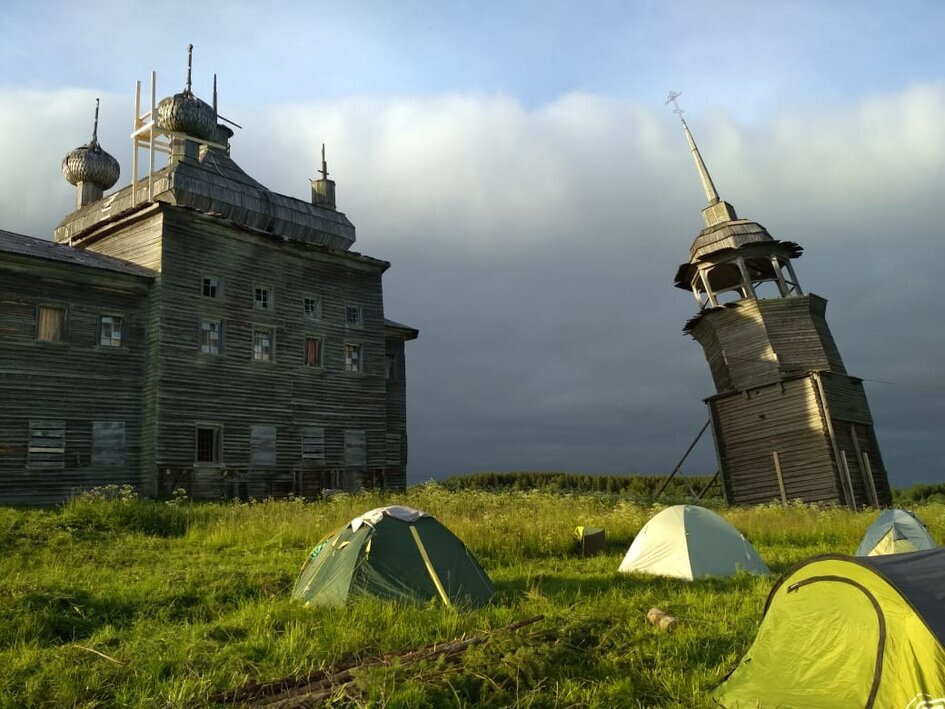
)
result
[(788, 421), (195, 330)]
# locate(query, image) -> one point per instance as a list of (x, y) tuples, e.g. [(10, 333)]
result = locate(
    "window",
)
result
[(355, 448), (50, 323), (212, 287), (262, 445), (262, 297), (110, 331), (353, 359), (394, 456), (208, 444), (313, 444), (354, 317), (47, 447), (108, 443), (262, 344), (211, 336), (312, 308), (313, 352)]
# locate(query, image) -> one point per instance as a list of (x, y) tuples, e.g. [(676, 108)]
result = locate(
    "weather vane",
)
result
[(671, 99)]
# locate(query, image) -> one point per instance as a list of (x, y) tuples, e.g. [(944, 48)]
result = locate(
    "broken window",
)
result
[(353, 359), (110, 332), (208, 444), (313, 352), (47, 445), (354, 317), (312, 307), (50, 323), (262, 445), (108, 443), (211, 336), (313, 444), (262, 344), (212, 287), (355, 448), (262, 297)]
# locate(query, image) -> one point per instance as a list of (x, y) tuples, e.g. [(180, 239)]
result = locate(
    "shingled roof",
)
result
[(23, 245)]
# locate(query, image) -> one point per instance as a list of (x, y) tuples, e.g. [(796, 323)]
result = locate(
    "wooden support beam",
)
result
[(777, 470), (867, 476), (683, 460), (869, 473), (708, 485), (846, 473)]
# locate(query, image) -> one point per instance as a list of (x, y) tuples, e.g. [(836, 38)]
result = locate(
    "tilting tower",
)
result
[(788, 421)]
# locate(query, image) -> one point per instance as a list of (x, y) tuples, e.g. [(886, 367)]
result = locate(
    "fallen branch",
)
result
[(305, 690)]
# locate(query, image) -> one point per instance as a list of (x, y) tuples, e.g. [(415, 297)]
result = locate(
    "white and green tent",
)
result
[(895, 531), (690, 542)]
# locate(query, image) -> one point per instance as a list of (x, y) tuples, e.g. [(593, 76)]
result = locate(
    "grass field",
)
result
[(192, 599)]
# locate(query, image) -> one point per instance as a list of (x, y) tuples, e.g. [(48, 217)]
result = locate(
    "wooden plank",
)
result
[(777, 470)]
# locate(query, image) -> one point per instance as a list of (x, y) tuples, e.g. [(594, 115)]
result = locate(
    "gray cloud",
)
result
[(535, 247)]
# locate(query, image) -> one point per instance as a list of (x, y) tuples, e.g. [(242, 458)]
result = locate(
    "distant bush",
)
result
[(632, 486), (919, 494)]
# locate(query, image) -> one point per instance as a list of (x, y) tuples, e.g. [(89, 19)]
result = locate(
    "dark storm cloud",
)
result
[(535, 249)]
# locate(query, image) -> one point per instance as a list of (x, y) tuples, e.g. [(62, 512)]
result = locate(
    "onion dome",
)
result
[(185, 113), (90, 163)]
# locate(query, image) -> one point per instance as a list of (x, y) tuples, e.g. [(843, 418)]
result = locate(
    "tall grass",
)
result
[(191, 599)]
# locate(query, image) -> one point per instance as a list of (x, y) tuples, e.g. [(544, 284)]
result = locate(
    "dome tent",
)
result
[(690, 542), (394, 553), (842, 631), (895, 531)]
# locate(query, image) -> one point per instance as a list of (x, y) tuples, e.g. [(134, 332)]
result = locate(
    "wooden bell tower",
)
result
[(788, 421)]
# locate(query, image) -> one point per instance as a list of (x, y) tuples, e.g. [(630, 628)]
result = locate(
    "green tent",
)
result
[(395, 553), (893, 532), (690, 542), (844, 631)]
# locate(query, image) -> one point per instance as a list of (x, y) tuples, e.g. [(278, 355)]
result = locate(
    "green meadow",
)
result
[(180, 601)]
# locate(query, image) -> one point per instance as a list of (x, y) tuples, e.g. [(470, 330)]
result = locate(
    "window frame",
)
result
[(254, 449), (320, 363), (270, 297), (122, 339), (220, 330), (59, 462), (217, 428), (317, 299), (64, 330), (359, 323), (258, 327), (217, 285)]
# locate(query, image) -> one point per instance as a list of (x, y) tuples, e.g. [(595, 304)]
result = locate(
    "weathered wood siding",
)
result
[(396, 415), (756, 342), (786, 418), (75, 381), (236, 392)]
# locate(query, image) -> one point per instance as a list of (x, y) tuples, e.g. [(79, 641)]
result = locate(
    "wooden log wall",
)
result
[(396, 414), (76, 382)]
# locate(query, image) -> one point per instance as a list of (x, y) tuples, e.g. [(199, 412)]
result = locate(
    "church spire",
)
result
[(717, 210)]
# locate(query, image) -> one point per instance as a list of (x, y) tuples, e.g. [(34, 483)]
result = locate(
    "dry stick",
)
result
[(328, 685), (100, 654)]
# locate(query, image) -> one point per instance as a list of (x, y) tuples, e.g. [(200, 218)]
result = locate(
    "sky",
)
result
[(517, 165)]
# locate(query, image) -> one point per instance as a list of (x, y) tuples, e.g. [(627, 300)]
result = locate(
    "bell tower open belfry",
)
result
[(788, 421)]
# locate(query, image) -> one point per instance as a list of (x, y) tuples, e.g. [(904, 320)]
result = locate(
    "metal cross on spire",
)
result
[(95, 125), (710, 192), (324, 169), (190, 57)]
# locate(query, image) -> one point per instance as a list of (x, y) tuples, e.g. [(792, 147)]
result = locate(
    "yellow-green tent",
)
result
[(842, 631)]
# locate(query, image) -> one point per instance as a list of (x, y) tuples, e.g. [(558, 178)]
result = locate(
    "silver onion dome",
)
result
[(185, 113), (90, 163)]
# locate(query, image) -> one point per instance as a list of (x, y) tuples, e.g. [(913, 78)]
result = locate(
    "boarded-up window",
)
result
[(262, 445), (313, 444), (313, 352), (110, 332), (353, 359), (393, 449), (50, 323), (108, 443), (355, 448), (47, 447)]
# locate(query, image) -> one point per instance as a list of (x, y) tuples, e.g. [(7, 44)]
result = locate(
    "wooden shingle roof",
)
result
[(31, 246)]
